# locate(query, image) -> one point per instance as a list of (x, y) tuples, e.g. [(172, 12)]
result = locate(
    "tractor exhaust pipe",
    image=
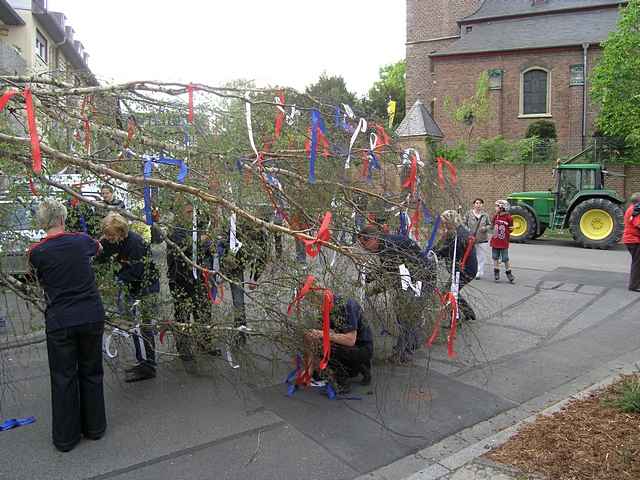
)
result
[(585, 47)]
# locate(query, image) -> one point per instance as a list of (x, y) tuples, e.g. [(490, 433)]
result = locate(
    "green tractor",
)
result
[(580, 203)]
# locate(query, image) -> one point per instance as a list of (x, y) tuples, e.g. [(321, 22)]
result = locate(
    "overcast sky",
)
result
[(275, 42)]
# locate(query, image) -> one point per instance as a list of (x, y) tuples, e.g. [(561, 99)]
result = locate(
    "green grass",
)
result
[(564, 234), (627, 396)]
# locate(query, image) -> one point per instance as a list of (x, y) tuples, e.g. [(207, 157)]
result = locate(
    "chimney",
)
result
[(85, 57), (69, 31)]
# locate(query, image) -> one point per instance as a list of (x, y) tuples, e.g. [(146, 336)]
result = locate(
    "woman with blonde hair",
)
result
[(139, 279), (74, 320)]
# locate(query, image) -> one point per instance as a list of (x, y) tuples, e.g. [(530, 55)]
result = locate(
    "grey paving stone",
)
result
[(591, 289), (433, 472)]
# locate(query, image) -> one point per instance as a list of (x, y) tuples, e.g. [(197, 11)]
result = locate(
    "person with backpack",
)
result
[(478, 223)]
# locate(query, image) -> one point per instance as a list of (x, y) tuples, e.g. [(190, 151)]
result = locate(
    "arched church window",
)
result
[(535, 92)]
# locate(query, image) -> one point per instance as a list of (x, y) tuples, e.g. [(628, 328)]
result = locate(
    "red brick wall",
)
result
[(456, 77), (492, 182), (428, 20)]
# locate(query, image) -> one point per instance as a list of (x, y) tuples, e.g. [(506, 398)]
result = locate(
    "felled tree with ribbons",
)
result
[(307, 174)]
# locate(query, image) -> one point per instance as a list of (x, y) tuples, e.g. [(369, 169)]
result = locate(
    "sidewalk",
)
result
[(458, 457)]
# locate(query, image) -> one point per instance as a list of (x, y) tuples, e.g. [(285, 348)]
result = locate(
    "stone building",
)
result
[(37, 41), (535, 52)]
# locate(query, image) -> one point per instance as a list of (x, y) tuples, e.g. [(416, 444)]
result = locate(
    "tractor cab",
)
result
[(572, 179)]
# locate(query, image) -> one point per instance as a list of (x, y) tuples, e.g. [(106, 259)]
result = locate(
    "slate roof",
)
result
[(418, 122), (539, 31), (502, 8), (8, 15)]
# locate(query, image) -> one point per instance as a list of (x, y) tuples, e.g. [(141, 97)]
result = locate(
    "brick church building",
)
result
[(535, 52)]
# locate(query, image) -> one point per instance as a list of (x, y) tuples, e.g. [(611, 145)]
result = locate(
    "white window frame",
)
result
[(547, 114), (42, 46)]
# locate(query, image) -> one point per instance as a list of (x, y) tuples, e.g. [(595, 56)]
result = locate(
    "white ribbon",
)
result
[(293, 116), (234, 244), (106, 347), (349, 111), (247, 111), (406, 157), (455, 276), (406, 283), (229, 357), (373, 141), (194, 242), (362, 127)]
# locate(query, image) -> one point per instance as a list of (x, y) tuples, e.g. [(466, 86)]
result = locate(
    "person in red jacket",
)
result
[(502, 227), (631, 238)]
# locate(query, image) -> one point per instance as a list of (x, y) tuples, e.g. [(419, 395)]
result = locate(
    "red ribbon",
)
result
[(365, 165), (218, 299), (306, 288), (6, 97), (87, 134), (36, 163), (32, 187), (313, 246), (452, 172), (415, 222), (279, 116), (412, 181), (131, 130), (322, 140), (444, 300), (467, 251), (190, 89), (383, 138), (327, 306)]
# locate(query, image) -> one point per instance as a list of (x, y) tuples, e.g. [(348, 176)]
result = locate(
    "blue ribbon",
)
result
[(316, 123), (16, 422), (291, 378), (403, 230), (240, 164), (428, 219), (373, 163), (432, 240), (83, 224), (148, 170)]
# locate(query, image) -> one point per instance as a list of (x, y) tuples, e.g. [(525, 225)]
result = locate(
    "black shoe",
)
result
[(496, 274), (94, 436), (342, 388), (143, 372), (366, 376), (510, 276), (67, 447), (132, 368)]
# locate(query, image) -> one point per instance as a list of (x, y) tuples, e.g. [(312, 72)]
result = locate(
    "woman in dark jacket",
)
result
[(74, 319), (457, 237)]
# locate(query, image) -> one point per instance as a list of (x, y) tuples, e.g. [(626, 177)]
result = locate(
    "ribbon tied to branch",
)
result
[(443, 162), (312, 247), (36, 163)]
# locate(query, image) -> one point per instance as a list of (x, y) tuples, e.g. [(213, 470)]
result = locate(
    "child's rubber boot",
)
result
[(496, 274), (510, 276)]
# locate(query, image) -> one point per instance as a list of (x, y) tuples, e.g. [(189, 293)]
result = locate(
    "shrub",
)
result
[(494, 150), (456, 153), (544, 129), (536, 149), (627, 396)]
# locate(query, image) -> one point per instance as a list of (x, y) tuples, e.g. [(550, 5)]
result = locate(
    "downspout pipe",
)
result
[(585, 48)]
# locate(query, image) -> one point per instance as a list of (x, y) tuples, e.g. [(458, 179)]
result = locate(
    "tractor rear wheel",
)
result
[(524, 224), (597, 223)]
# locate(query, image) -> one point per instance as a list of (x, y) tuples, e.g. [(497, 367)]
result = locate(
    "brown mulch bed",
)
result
[(587, 440)]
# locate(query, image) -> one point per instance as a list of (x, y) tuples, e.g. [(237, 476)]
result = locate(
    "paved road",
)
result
[(568, 313)]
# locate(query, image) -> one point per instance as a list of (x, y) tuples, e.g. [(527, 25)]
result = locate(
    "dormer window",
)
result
[(468, 29), (42, 47)]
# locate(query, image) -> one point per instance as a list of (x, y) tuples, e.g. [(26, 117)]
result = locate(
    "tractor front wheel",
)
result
[(597, 223), (524, 224)]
